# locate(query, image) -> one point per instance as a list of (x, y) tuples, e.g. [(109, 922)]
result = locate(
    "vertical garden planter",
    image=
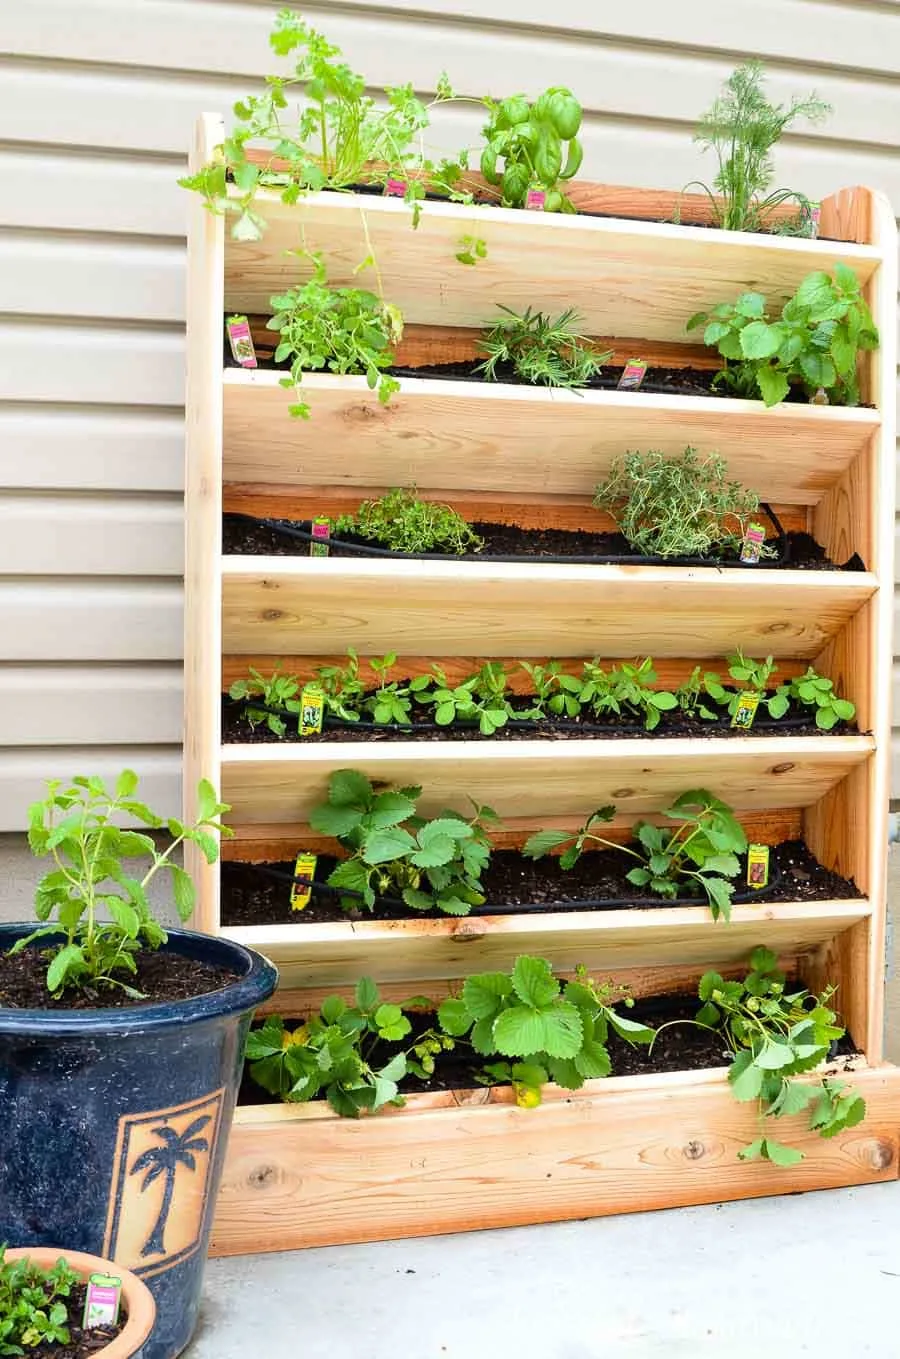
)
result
[(298, 1175)]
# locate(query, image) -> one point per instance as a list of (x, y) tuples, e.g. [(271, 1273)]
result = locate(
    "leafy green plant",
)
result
[(815, 691), (279, 691), (471, 250), (677, 507), (432, 863), (553, 1031), (741, 128), (390, 702), (404, 523), (689, 697), (346, 330), (33, 1307), (555, 692), (336, 1052), (542, 350), (750, 677), (775, 1034), (75, 826), (627, 690), (533, 146), (479, 697), (814, 344), (701, 852), (339, 138), (342, 687)]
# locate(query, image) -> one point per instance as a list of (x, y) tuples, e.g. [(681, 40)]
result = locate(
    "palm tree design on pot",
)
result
[(176, 1150)]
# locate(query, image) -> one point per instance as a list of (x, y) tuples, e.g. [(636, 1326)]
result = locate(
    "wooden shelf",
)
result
[(271, 783), (624, 278), (335, 954), (476, 436), (283, 605)]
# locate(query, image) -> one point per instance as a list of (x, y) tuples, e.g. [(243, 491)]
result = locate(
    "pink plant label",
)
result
[(632, 375), (395, 188), (321, 532), (815, 219), (241, 341), (535, 200), (752, 545), (101, 1304)]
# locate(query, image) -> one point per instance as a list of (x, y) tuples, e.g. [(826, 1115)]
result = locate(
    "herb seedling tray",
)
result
[(533, 457)]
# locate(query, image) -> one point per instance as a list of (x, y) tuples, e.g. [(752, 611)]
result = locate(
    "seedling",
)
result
[(279, 691), (342, 687), (689, 697), (555, 692), (542, 351), (524, 146), (34, 1311), (390, 701), (815, 691), (749, 676), (776, 1034), (404, 523), (471, 250), (479, 698), (677, 507), (627, 690)]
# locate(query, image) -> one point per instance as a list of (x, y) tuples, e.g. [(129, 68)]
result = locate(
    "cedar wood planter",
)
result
[(299, 1175)]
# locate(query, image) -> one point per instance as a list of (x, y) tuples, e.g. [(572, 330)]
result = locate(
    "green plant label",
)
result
[(536, 200), (101, 1303), (745, 712), (241, 341), (758, 866), (632, 375), (752, 546), (321, 532), (395, 188), (312, 708), (304, 867)]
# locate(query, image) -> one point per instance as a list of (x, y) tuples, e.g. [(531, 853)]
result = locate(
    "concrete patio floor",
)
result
[(809, 1274)]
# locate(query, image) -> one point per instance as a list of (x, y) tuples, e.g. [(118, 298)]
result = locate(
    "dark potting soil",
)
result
[(237, 729), (160, 976), (81, 1344), (513, 884), (246, 536)]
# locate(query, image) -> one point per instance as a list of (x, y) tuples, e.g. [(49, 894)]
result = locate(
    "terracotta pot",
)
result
[(137, 1298)]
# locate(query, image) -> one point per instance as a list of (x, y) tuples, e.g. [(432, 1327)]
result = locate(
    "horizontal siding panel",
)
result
[(90, 620), (93, 448), (226, 38), (51, 532), (84, 193), (71, 276), (71, 705), (24, 771), (104, 364)]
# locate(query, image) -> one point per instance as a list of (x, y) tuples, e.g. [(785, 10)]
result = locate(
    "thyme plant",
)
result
[(403, 522)]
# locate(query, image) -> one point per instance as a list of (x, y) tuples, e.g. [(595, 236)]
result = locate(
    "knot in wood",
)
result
[(468, 930), (778, 627), (783, 768), (270, 615), (622, 792), (879, 1153), (262, 1176), (362, 412), (694, 1151)]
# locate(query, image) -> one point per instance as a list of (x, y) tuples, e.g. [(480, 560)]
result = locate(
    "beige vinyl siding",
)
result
[(96, 109)]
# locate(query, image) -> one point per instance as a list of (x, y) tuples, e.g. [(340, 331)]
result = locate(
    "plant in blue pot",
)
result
[(121, 1047)]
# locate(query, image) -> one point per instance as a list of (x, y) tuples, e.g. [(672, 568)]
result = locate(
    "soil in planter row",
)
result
[(512, 883), (82, 1344), (243, 535), (162, 977)]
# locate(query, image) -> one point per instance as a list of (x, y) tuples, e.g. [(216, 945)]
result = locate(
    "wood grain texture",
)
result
[(305, 604), (411, 951), (472, 437), (298, 1177), (623, 278)]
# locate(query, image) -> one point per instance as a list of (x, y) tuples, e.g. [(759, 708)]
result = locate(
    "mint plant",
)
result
[(76, 827), (404, 523), (741, 128), (813, 690), (814, 344), (433, 864), (533, 146), (279, 691), (542, 351), (34, 1311), (776, 1033)]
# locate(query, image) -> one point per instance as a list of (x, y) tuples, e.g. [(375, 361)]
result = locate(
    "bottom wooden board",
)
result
[(301, 1176)]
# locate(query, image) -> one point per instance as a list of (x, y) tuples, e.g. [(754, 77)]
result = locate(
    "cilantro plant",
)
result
[(279, 691), (542, 351), (432, 864), (338, 1053), (339, 137), (741, 128), (34, 1311), (75, 827), (815, 691), (749, 676), (404, 523), (346, 330), (700, 853), (677, 507), (814, 344), (552, 1031), (533, 146), (775, 1034)]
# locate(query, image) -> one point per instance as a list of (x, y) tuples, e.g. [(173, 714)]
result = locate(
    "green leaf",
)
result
[(563, 1030), (484, 993), (542, 842), (779, 1154), (366, 994), (389, 809), (773, 385), (520, 1031), (349, 788), (752, 1152), (630, 1028), (752, 305), (68, 959), (395, 1069), (534, 983), (760, 340), (381, 846), (332, 1009), (773, 1056), (454, 1017), (126, 783), (336, 821), (745, 1077), (593, 1061), (125, 916), (182, 890)]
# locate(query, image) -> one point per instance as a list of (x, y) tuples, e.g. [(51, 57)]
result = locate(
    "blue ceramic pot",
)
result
[(113, 1127)]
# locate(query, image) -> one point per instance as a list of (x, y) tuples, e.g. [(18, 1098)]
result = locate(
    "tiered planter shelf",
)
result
[(298, 1175)]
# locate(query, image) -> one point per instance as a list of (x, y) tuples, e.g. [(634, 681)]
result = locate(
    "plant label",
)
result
[(745, 712), (535, 200), (815, 218), (758, 866), (321, 532), (312, 709), (101, 1303), (752, 545), (305, 868), (395, 188), (241, 341), (632, 375)]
